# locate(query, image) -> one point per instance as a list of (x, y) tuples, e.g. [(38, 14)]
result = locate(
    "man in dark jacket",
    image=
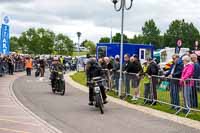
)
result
[(127, 68), (175, 72), (93, 69), (153, 70), (136, 70), (116, 68)]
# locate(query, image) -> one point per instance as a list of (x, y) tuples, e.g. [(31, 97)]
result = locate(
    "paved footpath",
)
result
[(14, 117), (71, 114)]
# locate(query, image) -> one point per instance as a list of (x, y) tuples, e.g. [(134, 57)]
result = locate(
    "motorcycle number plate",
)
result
[(97, 89)]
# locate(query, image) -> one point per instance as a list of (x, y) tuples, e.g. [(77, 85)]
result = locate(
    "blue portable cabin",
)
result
[(111, 49)]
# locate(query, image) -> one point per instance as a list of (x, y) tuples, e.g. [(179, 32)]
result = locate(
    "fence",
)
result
[(180, 95), (17, 67)]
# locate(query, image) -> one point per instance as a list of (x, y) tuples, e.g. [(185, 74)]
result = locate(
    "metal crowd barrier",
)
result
[(4, 67), (19, 66), (179, 95)]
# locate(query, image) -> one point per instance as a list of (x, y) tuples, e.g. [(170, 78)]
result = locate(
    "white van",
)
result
[(167, 53)]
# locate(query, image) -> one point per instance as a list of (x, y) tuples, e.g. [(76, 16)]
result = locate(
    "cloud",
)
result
[(15, 1), (96, 17)]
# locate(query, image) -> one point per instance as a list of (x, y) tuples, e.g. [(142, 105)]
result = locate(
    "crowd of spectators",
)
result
[(11, 63), (183, 74)]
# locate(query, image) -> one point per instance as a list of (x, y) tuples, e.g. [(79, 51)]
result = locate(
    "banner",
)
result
[(5, 39)]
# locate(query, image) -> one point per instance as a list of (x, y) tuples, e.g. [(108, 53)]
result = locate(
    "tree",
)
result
[(117, 38), (63, 45), (179, 29), (37, 41), (14, 45), (137, 39), (83, 43), (104, 40), (151, 33), (91, 46)]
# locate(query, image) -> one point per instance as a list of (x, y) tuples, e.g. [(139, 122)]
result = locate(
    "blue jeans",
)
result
[(127, 85), (174, 93), (117, 84), (188, 96), (147, 91)]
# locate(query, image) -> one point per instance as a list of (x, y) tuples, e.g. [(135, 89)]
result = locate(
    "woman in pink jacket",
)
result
[(185, 81)]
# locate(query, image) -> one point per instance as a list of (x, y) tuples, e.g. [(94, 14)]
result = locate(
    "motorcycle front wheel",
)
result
[(99, 103)]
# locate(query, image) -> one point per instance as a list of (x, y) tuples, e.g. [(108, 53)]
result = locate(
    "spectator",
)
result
[(136, 69), (108, 76), (29, 66), (196, 75), (102, 63), (10, 62), (127, 68), (187, 73), (146, 81), (1, 65), (175, 72), (42, 66), (108, 65), (116, 68), (153, 70)]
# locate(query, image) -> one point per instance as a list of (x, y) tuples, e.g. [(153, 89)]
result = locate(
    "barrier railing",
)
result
[(180, 95), (17, 67)]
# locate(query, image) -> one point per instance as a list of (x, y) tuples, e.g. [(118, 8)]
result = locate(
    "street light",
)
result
[(79, 35), (122, 8)]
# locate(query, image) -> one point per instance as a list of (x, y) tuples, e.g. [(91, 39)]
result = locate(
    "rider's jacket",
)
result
[(56, 67), (93, 70)]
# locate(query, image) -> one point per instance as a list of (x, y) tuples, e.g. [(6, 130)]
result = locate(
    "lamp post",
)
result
[(122, 7), (79, 35)]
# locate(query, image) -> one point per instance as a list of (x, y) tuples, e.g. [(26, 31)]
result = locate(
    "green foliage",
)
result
[(42, 41), (117, 38), (63, 45), (179, 29), (104, 40), (91, 46), (151, 34), (14, 45), (83, 43), (137, 39), (37, 41)]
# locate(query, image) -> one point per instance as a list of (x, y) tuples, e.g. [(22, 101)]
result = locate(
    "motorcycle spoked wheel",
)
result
[(99, 103)]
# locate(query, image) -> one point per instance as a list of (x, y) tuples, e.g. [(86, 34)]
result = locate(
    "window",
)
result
[(163, 56), (142, 55), (148, 53), (102, 51)]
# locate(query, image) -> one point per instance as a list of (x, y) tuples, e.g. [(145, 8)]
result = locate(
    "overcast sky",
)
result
[(94, 18)]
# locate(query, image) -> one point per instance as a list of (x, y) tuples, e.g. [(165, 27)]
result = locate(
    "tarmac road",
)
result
[(71, 114)]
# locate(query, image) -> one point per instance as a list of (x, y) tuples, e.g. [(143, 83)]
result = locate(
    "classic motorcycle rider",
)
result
[(93, 69), (55, 68)]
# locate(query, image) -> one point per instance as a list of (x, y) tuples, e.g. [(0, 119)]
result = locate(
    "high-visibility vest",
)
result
[(61, 60), (29, 63)]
